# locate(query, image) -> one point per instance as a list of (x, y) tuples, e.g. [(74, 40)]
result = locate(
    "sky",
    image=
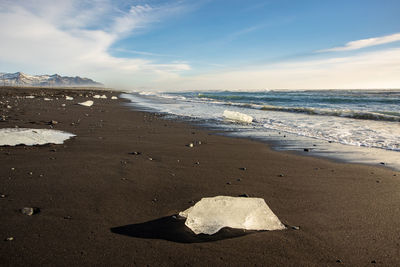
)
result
[(150, 45)]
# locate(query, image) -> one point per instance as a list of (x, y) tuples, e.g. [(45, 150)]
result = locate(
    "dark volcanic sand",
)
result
[(101, 205)]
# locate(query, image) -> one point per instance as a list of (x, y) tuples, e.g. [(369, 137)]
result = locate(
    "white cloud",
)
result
[(73, 38), (380, 69), (355, 45)]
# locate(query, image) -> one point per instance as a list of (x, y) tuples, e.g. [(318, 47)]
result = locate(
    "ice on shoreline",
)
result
[(237, 116), (88, 103), (30, 137), (211, 214)]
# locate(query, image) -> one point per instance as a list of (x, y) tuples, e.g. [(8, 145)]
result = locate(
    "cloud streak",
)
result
[(372, 70), (73, 37), (363, 43)]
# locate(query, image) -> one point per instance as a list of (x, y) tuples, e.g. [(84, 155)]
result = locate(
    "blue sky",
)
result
[(206, 44)]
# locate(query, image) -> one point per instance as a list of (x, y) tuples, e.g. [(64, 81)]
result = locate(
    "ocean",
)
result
[(361, 126)]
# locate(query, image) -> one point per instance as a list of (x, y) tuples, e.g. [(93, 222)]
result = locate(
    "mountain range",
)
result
[(22, 79)]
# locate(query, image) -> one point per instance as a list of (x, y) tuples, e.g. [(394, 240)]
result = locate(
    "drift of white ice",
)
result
[(211, 214), (237, 116), (30, 137)]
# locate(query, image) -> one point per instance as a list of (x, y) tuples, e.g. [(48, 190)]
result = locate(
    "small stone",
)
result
[(135, 153), (67, 217), (281, 175), (13, 169), (238, 179), (154, 199), (150, 158), (382, 163), (53, 122), (378, 181), (27, 211), (373, 261), (338, 261), (228, 183), (30, 173), (244, 195), (296, 227), (41, 175), (9, 238), (306, 150), (53, 150), (243, 169), (3, 196), (190, 145), (199, 142), (197, 163)]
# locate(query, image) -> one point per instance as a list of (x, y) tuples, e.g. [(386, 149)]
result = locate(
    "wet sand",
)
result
[(100, 204)]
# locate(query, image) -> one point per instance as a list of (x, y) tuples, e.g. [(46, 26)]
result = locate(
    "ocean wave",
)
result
[(354, 114)]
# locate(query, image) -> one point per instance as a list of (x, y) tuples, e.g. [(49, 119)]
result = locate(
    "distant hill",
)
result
[(22, 79)]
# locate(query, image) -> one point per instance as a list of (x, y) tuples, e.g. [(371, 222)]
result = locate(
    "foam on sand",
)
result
[(211, 214), (30, 137), (237, 116), (88, 103)]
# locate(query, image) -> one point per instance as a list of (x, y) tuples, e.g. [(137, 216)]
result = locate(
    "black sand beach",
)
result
[(101, 204)]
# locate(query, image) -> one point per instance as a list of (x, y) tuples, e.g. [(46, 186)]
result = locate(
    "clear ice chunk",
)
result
[(88, 103), (237, 116), (30, 137), (211, 214)]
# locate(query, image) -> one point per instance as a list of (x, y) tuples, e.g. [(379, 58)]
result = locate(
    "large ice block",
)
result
[(211, 214), (29, 137), (237, 116)]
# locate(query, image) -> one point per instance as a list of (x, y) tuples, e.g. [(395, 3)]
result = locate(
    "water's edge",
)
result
[(303, 146)]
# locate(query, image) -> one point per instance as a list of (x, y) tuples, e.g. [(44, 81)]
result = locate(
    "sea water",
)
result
[(352, 125)]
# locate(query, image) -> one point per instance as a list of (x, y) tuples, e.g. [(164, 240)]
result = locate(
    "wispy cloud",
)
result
[(363, 43), (379, 69), (142, 53), (73, 37)]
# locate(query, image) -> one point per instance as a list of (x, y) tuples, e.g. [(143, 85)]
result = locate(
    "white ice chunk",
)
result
[(103, 97), (211, 214), (69, 98), (114, 97), (96, 96), (29, 137), (30, 96), (46, 99), (86, 103), (237, 116)]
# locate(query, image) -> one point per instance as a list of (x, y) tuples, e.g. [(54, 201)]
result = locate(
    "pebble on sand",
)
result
[(27, 211)]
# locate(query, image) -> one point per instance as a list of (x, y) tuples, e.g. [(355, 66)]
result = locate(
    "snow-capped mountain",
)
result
[(22, 79)]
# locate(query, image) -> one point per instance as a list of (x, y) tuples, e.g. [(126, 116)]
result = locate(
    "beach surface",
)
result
[(107, 196)]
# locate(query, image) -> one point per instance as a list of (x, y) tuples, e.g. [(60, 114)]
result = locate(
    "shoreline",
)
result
[(93, 184), (290, 143)]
